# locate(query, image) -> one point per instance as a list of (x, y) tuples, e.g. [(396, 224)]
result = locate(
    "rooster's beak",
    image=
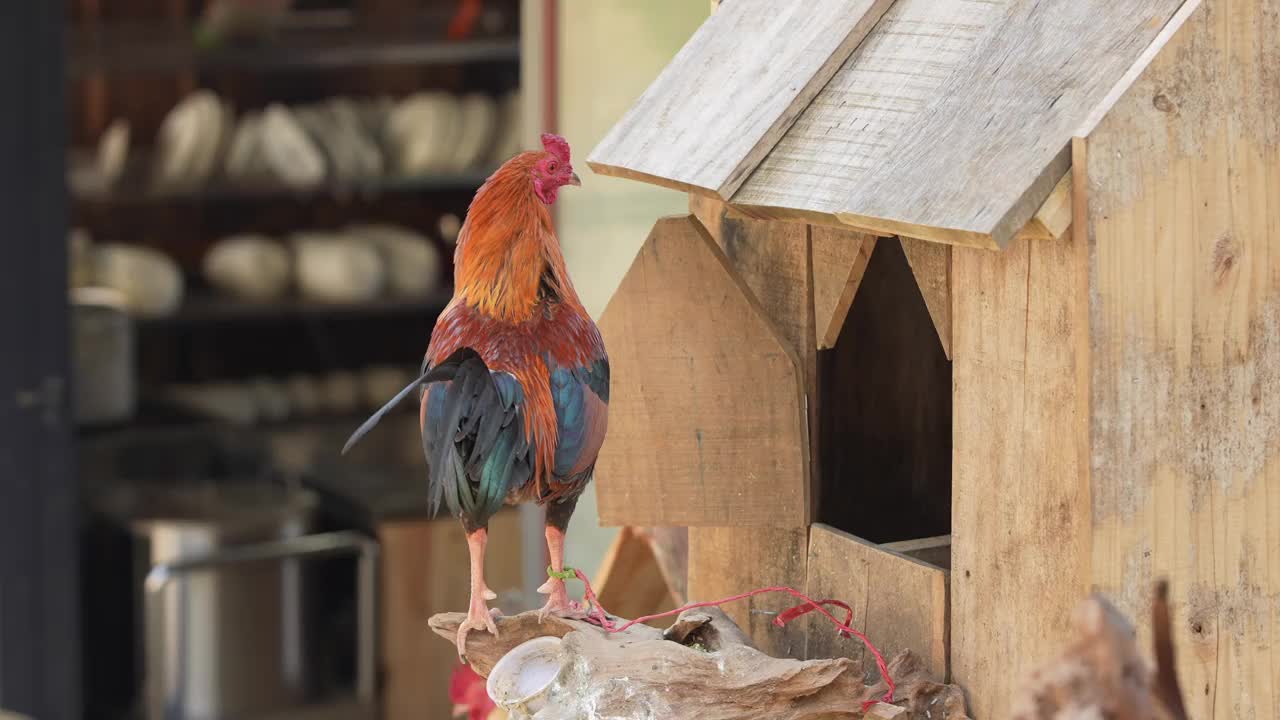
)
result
[(574, 180)]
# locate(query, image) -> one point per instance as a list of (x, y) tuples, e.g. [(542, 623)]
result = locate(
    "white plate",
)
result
[(113, 151)]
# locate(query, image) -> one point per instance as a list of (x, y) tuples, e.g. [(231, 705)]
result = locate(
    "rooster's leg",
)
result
[(478, 615), (558, 603)]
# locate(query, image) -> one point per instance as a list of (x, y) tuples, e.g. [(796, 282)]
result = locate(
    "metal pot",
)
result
[(225, 618), (103, 352)]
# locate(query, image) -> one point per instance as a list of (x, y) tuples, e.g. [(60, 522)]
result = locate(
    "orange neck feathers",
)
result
[(507, 247)]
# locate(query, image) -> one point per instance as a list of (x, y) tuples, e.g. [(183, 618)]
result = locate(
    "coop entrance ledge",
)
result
[(898, 596)]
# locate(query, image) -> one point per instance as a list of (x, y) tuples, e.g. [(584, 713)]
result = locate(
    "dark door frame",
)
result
[(39, 518)]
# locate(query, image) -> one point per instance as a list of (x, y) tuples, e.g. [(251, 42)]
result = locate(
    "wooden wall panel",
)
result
[(899, 602), (707, 413), (1020, 496), (727, 561), (1184, 227)]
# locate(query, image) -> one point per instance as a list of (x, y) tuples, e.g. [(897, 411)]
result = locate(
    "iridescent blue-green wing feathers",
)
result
[(474, 440), (581, 398)]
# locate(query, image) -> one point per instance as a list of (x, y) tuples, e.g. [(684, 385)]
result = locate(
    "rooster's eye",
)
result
[(551, 167)]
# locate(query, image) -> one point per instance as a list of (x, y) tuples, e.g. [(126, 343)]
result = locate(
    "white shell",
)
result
[(413, 262), (113, 151), (523, 678), (289, 152), (184, 156), (80, 258), (229, 402), (331, 268), (151, 283), (510, 140), (251, 267), (449, 226), (271, 399), (304, 394), (379, 383), (244, 158), (422, 132), (340, 392), (479, 122)]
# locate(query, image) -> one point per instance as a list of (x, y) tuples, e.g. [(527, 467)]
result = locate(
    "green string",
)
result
[(566, 574)]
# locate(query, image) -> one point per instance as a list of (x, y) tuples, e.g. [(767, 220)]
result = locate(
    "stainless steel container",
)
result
[(103, 350), (225, 613)]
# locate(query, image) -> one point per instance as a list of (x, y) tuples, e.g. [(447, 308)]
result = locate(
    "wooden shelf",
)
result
[(221, 191), (214, 309), (165, 48)]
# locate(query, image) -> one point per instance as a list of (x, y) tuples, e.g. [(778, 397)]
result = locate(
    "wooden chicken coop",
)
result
[(977, 309)]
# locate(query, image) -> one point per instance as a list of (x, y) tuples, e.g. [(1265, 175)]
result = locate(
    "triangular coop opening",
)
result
[(884, 396)]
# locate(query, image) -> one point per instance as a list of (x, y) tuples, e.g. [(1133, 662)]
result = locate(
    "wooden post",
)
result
[(1020, 498), (1182, 218)]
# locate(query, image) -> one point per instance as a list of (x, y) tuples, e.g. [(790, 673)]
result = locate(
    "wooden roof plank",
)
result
[(952, 121), (732, 91)]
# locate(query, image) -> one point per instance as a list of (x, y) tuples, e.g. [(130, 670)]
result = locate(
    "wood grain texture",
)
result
[(732, 91), (899, 602), (933, 550), (1020, 514), (726, 561), (1184, 225), (1054, 216), (930, 130), (424, 572), (670, 548), (839, 260), (931, 265), (775, 261), (707, 417)]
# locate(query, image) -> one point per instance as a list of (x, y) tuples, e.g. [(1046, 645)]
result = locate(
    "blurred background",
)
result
[(231, 226)]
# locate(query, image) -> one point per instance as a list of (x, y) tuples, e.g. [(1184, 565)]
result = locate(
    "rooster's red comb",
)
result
[(556, 145)]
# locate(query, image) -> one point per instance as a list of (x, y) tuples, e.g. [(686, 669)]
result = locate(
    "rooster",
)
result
[(515, 382)]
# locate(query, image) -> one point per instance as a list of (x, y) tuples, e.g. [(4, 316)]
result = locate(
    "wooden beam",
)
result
[(1054, 217), (931, 265), (839, 260), (701, 375), (953, 142), (898, 601), (1020, 495), (732, 91), (1050, 221), (1182, 220), (933, 550)]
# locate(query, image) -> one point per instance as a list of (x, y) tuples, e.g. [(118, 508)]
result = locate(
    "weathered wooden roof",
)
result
[(948, 120)]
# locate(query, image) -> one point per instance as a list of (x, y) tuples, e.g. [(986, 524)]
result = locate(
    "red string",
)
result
[(597, 613)]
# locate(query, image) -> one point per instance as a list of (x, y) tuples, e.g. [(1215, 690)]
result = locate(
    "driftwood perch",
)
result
[(1102, 674), (639, 673)]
